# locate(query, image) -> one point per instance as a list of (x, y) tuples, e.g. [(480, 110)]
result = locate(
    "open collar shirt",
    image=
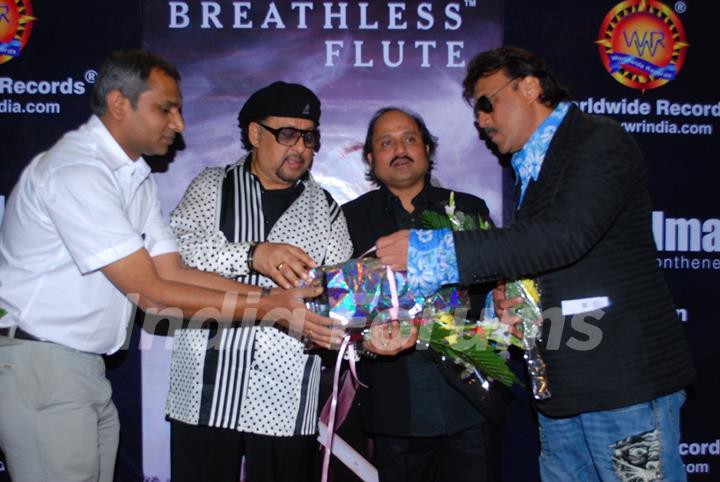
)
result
[(250, 378), (432, 260), (77, 208)]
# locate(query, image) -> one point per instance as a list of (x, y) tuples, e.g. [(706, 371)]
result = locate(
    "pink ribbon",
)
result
[(330, 422), (332, 410), (393, 294)]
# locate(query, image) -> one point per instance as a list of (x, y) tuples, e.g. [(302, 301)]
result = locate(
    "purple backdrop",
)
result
[(357, 59)]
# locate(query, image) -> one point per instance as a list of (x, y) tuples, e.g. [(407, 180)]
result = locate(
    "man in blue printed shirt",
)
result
[(617, 361)]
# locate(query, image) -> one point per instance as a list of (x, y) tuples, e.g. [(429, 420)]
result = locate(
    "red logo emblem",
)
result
[(15, 27), (642, 44)]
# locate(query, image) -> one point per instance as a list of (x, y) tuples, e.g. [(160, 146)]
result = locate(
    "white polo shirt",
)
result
[(78, 207)]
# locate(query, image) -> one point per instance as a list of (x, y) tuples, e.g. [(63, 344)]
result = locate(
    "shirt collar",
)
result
[(528, 160), (420, 201), (113, 155)]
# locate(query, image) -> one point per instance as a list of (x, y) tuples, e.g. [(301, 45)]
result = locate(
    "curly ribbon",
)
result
[(393, 288), (393, 294), (347, 393), (334, 402)]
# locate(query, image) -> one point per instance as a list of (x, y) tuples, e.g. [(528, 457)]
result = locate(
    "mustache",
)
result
[(484, 132), (401, 158)]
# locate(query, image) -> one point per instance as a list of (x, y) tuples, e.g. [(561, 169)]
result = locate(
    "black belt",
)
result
[(20, 334)]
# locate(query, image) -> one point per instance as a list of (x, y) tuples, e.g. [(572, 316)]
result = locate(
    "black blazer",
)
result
[(584, 230), (388, 405)]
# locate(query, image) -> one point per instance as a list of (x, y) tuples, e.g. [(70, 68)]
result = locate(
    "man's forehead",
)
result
[(276, 121), (395, 120), (161, 83), (488, 83)]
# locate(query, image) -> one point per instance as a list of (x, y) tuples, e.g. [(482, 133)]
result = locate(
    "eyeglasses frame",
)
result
[(484, 102), (303, 132)]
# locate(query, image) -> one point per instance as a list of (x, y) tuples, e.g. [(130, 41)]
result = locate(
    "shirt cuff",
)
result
[(431, 260), (110, 255), (489, 309), (164, 246)]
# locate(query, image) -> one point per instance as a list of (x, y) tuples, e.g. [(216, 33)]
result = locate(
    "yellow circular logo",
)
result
[(15, 27), (642, 44)]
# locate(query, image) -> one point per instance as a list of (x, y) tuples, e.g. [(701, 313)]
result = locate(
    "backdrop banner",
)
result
[(645, 63), (357, 57)]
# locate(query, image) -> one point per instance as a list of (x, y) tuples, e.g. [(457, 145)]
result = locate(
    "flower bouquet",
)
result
[(531, 324), (478, 348), (494, 333), (359, 292)]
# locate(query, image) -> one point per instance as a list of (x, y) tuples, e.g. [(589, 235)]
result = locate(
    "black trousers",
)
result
[(208, 454), (472, 455)]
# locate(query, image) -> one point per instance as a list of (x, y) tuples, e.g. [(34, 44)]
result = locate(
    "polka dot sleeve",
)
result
[(195, 223), (339, 247)]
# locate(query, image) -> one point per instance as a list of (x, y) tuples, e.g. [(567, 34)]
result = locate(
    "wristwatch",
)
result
[(250, 254)]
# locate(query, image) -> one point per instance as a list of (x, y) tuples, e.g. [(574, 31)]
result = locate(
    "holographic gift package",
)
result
[(359, 292)]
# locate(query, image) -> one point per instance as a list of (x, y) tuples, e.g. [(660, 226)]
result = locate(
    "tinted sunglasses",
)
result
[(288, 136), (484, 103)]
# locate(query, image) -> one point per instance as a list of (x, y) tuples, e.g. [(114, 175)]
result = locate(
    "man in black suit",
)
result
[(425, 427), (617, 361)]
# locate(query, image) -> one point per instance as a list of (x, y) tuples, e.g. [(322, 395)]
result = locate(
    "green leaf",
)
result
[(433, 220), (492, 365), (487, 362), (482, 223), (482, 356)]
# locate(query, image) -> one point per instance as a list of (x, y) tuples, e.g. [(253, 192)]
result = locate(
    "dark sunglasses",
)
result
[(484, 102), (288, 136)]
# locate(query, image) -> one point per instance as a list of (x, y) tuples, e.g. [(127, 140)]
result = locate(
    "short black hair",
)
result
[(516, 63), (127, 71), (429, 140)]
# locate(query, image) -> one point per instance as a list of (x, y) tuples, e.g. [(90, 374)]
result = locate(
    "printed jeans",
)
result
[(630, 444)]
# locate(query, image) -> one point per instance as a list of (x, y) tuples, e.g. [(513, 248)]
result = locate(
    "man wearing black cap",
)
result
[(252, 390)]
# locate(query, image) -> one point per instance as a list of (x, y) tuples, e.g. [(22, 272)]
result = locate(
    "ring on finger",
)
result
[(280, 266)]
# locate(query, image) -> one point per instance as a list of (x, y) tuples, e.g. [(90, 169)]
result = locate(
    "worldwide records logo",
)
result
[(642, 44), (16, 18)]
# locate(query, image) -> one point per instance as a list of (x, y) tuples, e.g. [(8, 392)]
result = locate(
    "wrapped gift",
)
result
[(359, 292)]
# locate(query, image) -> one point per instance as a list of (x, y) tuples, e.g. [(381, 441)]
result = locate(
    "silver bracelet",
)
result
[(250, 254)]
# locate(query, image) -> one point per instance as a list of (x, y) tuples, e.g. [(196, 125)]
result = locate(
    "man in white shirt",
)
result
[(82, 237)]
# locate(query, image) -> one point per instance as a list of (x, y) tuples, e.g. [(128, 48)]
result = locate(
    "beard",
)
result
[(291, 175)]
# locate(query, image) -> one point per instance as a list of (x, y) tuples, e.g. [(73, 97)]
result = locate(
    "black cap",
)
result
[(282, 100)]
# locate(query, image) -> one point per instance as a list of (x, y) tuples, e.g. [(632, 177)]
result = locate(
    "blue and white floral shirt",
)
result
[(528, 160), (432, 262)]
